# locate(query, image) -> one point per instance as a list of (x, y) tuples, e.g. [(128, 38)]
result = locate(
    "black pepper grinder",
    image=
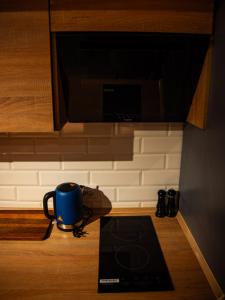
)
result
[(171, 203), (161, 204)]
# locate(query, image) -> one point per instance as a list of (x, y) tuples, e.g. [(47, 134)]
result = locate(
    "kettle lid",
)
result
[(67, 187)]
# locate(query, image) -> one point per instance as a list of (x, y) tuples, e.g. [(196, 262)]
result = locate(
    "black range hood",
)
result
[(129, 77)]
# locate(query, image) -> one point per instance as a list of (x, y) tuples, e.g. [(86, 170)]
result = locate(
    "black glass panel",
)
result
[(130, 257), (166, 67), (121, 102)]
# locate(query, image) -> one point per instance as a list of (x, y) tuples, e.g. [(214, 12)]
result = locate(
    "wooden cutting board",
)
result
[(24, 225)]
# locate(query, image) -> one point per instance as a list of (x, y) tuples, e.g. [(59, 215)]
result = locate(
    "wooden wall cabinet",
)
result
[(193, 16), (25, 69), (186, 16), (26, 101)]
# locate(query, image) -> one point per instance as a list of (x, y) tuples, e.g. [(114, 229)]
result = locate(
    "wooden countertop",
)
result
[(64, 267)]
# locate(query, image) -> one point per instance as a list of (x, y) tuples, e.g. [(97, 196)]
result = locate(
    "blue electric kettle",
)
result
[(67, 203)]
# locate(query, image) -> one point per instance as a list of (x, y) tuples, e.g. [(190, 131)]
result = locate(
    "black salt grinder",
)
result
[(171, 203), (161, 204)]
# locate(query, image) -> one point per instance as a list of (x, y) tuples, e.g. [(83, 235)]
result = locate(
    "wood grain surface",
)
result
[(25, 70), (57, 83), (131, 15), (198, 112), (23, 225), (64, 267)]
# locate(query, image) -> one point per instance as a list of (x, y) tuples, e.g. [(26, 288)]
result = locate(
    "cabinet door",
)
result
[(25, 69), (181, 16)]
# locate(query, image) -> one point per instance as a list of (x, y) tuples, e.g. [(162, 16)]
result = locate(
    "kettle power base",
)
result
[(86, 215), (69, 227)]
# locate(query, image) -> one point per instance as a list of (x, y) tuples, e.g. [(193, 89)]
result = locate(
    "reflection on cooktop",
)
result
[(130, 257), (118, 228)]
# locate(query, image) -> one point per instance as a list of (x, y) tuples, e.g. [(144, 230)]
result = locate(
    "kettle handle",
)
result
[(45, 204)]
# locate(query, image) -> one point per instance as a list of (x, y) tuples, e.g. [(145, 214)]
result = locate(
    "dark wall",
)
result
[(202, 182)]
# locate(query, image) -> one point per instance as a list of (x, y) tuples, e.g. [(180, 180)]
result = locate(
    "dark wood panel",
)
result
[(59, 100), (146, 16), (26, 5), (25, 70), (23, 225)]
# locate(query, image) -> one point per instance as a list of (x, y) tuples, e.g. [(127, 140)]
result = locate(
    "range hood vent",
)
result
[(129, 77)]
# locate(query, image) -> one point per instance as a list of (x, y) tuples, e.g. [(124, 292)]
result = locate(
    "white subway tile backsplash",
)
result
[(129, 162), (18, 178), (16, 145), (35, 157), (142, 129), (142, 162), (20, 204), (87, 165), (161, 144), (176, 129), (36, 165), (152, 129), (61, 145), (4, 165), (110, 193), (57, 177), (173, 186), (112, 145), (138, 193), (137, 145), (33, 193), (88, 129), (149, 204), (152, 133), (115, 178), (7, 193), (173, 161), (163, 177), (126, 204)]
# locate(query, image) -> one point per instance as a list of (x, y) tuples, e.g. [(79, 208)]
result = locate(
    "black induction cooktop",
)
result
[(130, 257)]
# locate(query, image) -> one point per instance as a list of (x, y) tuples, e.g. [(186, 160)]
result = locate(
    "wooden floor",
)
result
[(63, 267)]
